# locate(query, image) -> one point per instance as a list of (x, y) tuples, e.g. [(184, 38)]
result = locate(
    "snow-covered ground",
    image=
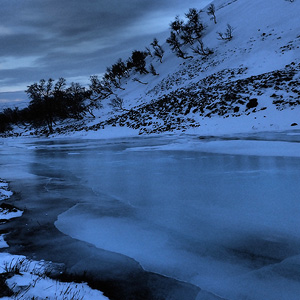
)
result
[(265, 39), (4, 192), (27, 279)]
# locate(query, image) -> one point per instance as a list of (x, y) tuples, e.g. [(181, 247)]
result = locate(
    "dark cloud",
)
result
[(23, 44), (73, 38)]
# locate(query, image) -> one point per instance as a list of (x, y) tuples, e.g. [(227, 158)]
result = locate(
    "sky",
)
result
[(75, 39)]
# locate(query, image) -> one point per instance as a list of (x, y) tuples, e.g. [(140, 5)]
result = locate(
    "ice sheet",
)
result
[(227, 223)]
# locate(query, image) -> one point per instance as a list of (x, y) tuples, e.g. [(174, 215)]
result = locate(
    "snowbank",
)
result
[(25, 278), (29, 281), (4, 192)]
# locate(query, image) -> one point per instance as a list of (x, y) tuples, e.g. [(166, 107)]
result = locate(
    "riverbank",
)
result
[(24, 278)]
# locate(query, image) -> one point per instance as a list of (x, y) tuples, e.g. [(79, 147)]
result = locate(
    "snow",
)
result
[(28, 280), (3, 244), (4, 192), (7, 214), (31, 283), (250, 20)]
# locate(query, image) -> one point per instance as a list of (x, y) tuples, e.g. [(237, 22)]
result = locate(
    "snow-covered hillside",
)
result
[(250, 82)]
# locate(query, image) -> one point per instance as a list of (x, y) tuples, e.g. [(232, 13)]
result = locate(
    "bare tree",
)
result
[(227, 35), (42, 102), (153, 71), (176, 25), (193, 28), (138, 62), (119, 70), (110, 76), (158, 50), (201, 50), (175, 45), (117, 104), (194, 23), (211, 11), (148, 51), (99, 90), (186, 32)]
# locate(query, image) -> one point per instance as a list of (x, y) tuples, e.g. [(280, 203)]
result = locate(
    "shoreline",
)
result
[(116, 275), (23, 277)]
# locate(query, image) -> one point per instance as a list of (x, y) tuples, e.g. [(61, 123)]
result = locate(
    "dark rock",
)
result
[(252, 103)]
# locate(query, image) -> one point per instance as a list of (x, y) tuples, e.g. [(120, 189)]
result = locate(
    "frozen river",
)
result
[(228, 222)]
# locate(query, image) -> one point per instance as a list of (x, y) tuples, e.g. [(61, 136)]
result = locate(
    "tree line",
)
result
[(50, 101)]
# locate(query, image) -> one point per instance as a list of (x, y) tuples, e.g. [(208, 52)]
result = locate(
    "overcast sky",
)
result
[(76, 38)]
